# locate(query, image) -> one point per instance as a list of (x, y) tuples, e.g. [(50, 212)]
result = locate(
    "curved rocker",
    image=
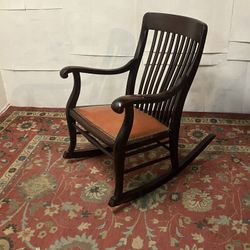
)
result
[(150, 118)]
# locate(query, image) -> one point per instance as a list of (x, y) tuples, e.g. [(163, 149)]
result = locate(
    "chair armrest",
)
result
[(78, 69), (122, 102)]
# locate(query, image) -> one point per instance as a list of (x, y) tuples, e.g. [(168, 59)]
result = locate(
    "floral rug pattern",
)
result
[(47, 202)]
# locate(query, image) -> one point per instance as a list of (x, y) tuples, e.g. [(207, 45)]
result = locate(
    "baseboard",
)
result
[(4, 108)]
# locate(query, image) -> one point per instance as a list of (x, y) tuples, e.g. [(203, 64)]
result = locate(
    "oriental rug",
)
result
[(47, 202)]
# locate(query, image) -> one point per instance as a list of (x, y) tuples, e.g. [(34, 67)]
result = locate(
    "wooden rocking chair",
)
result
[(139, 122)]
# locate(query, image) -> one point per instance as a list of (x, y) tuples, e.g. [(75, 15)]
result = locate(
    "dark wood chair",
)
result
[(150, 118)]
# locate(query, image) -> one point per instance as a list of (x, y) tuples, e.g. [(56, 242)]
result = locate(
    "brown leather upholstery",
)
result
[(109, 122)]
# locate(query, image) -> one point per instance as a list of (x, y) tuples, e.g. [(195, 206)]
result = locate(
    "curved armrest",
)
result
[(122, 102), (77, 69)]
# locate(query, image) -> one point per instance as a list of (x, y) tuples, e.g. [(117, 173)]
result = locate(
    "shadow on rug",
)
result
[(50, 203)]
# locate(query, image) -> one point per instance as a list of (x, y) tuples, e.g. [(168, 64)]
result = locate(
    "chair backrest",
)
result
[(175, 48)]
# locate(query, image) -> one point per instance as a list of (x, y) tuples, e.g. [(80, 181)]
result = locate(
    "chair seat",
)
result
[(109, 122)]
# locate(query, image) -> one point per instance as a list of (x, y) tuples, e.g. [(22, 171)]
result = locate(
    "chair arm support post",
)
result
[(122, 102), (78, 69), (74, 93), (126, 127)]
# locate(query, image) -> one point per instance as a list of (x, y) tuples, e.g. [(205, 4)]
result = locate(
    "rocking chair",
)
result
[(151, 118)]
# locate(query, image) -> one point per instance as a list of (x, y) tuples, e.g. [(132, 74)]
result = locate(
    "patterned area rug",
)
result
[(50, 203)]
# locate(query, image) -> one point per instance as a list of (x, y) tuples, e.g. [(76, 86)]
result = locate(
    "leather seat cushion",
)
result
[(110, 122)]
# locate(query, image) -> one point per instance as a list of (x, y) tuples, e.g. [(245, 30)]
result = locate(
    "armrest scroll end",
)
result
[(117, 106)]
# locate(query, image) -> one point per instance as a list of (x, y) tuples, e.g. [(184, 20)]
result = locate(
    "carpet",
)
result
[(51, 203)]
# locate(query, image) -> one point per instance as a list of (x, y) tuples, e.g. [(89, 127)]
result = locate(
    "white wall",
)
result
[(3, 98), (43, 36)]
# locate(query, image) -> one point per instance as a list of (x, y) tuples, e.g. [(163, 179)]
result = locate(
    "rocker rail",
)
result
[(149, 187)]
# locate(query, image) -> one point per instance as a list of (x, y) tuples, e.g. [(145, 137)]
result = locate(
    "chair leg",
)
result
[(72, 135), (119, 164), (71, 152), (174, 151), (176, 164)]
